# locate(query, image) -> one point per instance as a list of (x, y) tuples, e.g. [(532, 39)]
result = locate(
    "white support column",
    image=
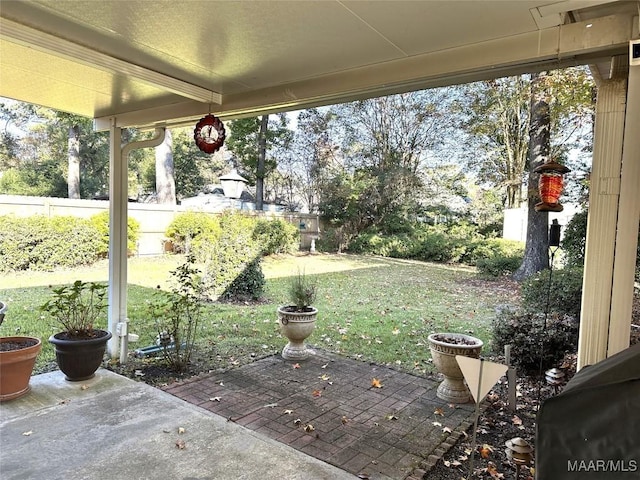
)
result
[(628, 221), (118, 193), (118, 216), (603, 216)]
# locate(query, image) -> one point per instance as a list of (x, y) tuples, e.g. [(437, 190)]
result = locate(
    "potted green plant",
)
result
[(17, 358), (80, 346), (297, 320)]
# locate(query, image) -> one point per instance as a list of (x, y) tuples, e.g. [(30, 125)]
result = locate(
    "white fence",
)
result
[(514, 226), (153, 218)]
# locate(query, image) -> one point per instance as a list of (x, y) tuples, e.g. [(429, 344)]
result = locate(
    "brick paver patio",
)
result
[(328, 408)]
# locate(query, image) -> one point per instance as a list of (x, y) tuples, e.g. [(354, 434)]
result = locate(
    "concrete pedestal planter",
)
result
[(444, 348), (296, 326)]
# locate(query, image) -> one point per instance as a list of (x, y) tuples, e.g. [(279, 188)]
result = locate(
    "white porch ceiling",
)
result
[(146, 63)]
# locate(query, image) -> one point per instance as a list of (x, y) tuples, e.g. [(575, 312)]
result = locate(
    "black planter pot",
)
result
[(80, 358)]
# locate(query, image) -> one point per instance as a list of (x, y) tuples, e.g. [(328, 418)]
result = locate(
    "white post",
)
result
[(117, 237), (118, 215)]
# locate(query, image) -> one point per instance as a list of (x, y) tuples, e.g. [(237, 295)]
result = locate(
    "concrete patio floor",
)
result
[(265, 420), (114, 428)]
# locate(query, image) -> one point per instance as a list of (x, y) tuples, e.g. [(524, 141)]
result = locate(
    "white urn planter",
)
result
[(296, 326), (444, 348)]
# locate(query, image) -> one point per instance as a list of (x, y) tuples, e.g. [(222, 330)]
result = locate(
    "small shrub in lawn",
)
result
[(187, 226), (525, 332), (487, 248), (248, 285), (276, 236), (177, 314), (498, 265), (226, 252), (565, 295)]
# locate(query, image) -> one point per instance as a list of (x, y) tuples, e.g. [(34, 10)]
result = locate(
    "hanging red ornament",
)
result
[(209, 134), (550, 186)]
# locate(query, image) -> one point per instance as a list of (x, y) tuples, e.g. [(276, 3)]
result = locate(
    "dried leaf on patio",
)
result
[(375, 383), (516, 420), (26, 434), (214, 399), (181, 430), (296, 365), (180, 444), (324, 377), (438, 411), (446, 430), (317, 393), (288, 412), (345, 420), (437, 424), (309, 428)]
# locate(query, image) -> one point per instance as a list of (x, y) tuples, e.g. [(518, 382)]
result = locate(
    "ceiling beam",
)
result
[(44, 42)]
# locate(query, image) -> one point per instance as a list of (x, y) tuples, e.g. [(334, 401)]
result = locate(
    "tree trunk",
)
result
[(536, 252), (262, 153), (73, 175), (165, 179)]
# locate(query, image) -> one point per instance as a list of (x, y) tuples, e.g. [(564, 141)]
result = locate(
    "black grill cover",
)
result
[(591, 431)]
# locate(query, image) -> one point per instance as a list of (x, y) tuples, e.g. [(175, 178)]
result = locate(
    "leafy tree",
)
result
[(255, 144)]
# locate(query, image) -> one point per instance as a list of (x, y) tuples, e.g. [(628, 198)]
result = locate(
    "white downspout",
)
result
[(118, 215)]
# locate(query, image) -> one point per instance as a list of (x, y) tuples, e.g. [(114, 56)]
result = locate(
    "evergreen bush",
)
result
[(42, 243), (101, 222), (276, 236), (565, 296), (525, 332), (187, 226)]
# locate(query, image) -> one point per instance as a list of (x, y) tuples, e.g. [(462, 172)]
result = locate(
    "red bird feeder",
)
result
[(550, 186)]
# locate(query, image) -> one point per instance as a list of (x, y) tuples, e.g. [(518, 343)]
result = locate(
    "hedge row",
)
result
[(45, 243), (458, 244)]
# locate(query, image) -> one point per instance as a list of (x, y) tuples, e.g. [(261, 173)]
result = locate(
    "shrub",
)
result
[(525, 332), (177, 314), (574, 240), (565, 296), (276, 236), (488, 248), (226, 252), (186, 226), (499, 265), (101, 223), (42, 243), (248, 285)]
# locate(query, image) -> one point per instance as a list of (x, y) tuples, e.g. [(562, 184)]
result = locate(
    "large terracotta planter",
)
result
[(444, 348), (296, 326), (17, 358), (80, 358)]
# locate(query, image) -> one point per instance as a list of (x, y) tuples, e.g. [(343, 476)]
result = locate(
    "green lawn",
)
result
[(376, 309)]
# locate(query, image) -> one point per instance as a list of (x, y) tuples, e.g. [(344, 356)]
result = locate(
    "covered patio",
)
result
[(165, 64)]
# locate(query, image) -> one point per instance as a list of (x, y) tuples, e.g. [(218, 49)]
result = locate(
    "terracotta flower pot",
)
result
[(296, 326), (17, 358), (444, 348)]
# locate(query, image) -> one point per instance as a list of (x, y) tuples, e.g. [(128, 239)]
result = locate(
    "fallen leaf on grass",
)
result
[(375, 383)]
